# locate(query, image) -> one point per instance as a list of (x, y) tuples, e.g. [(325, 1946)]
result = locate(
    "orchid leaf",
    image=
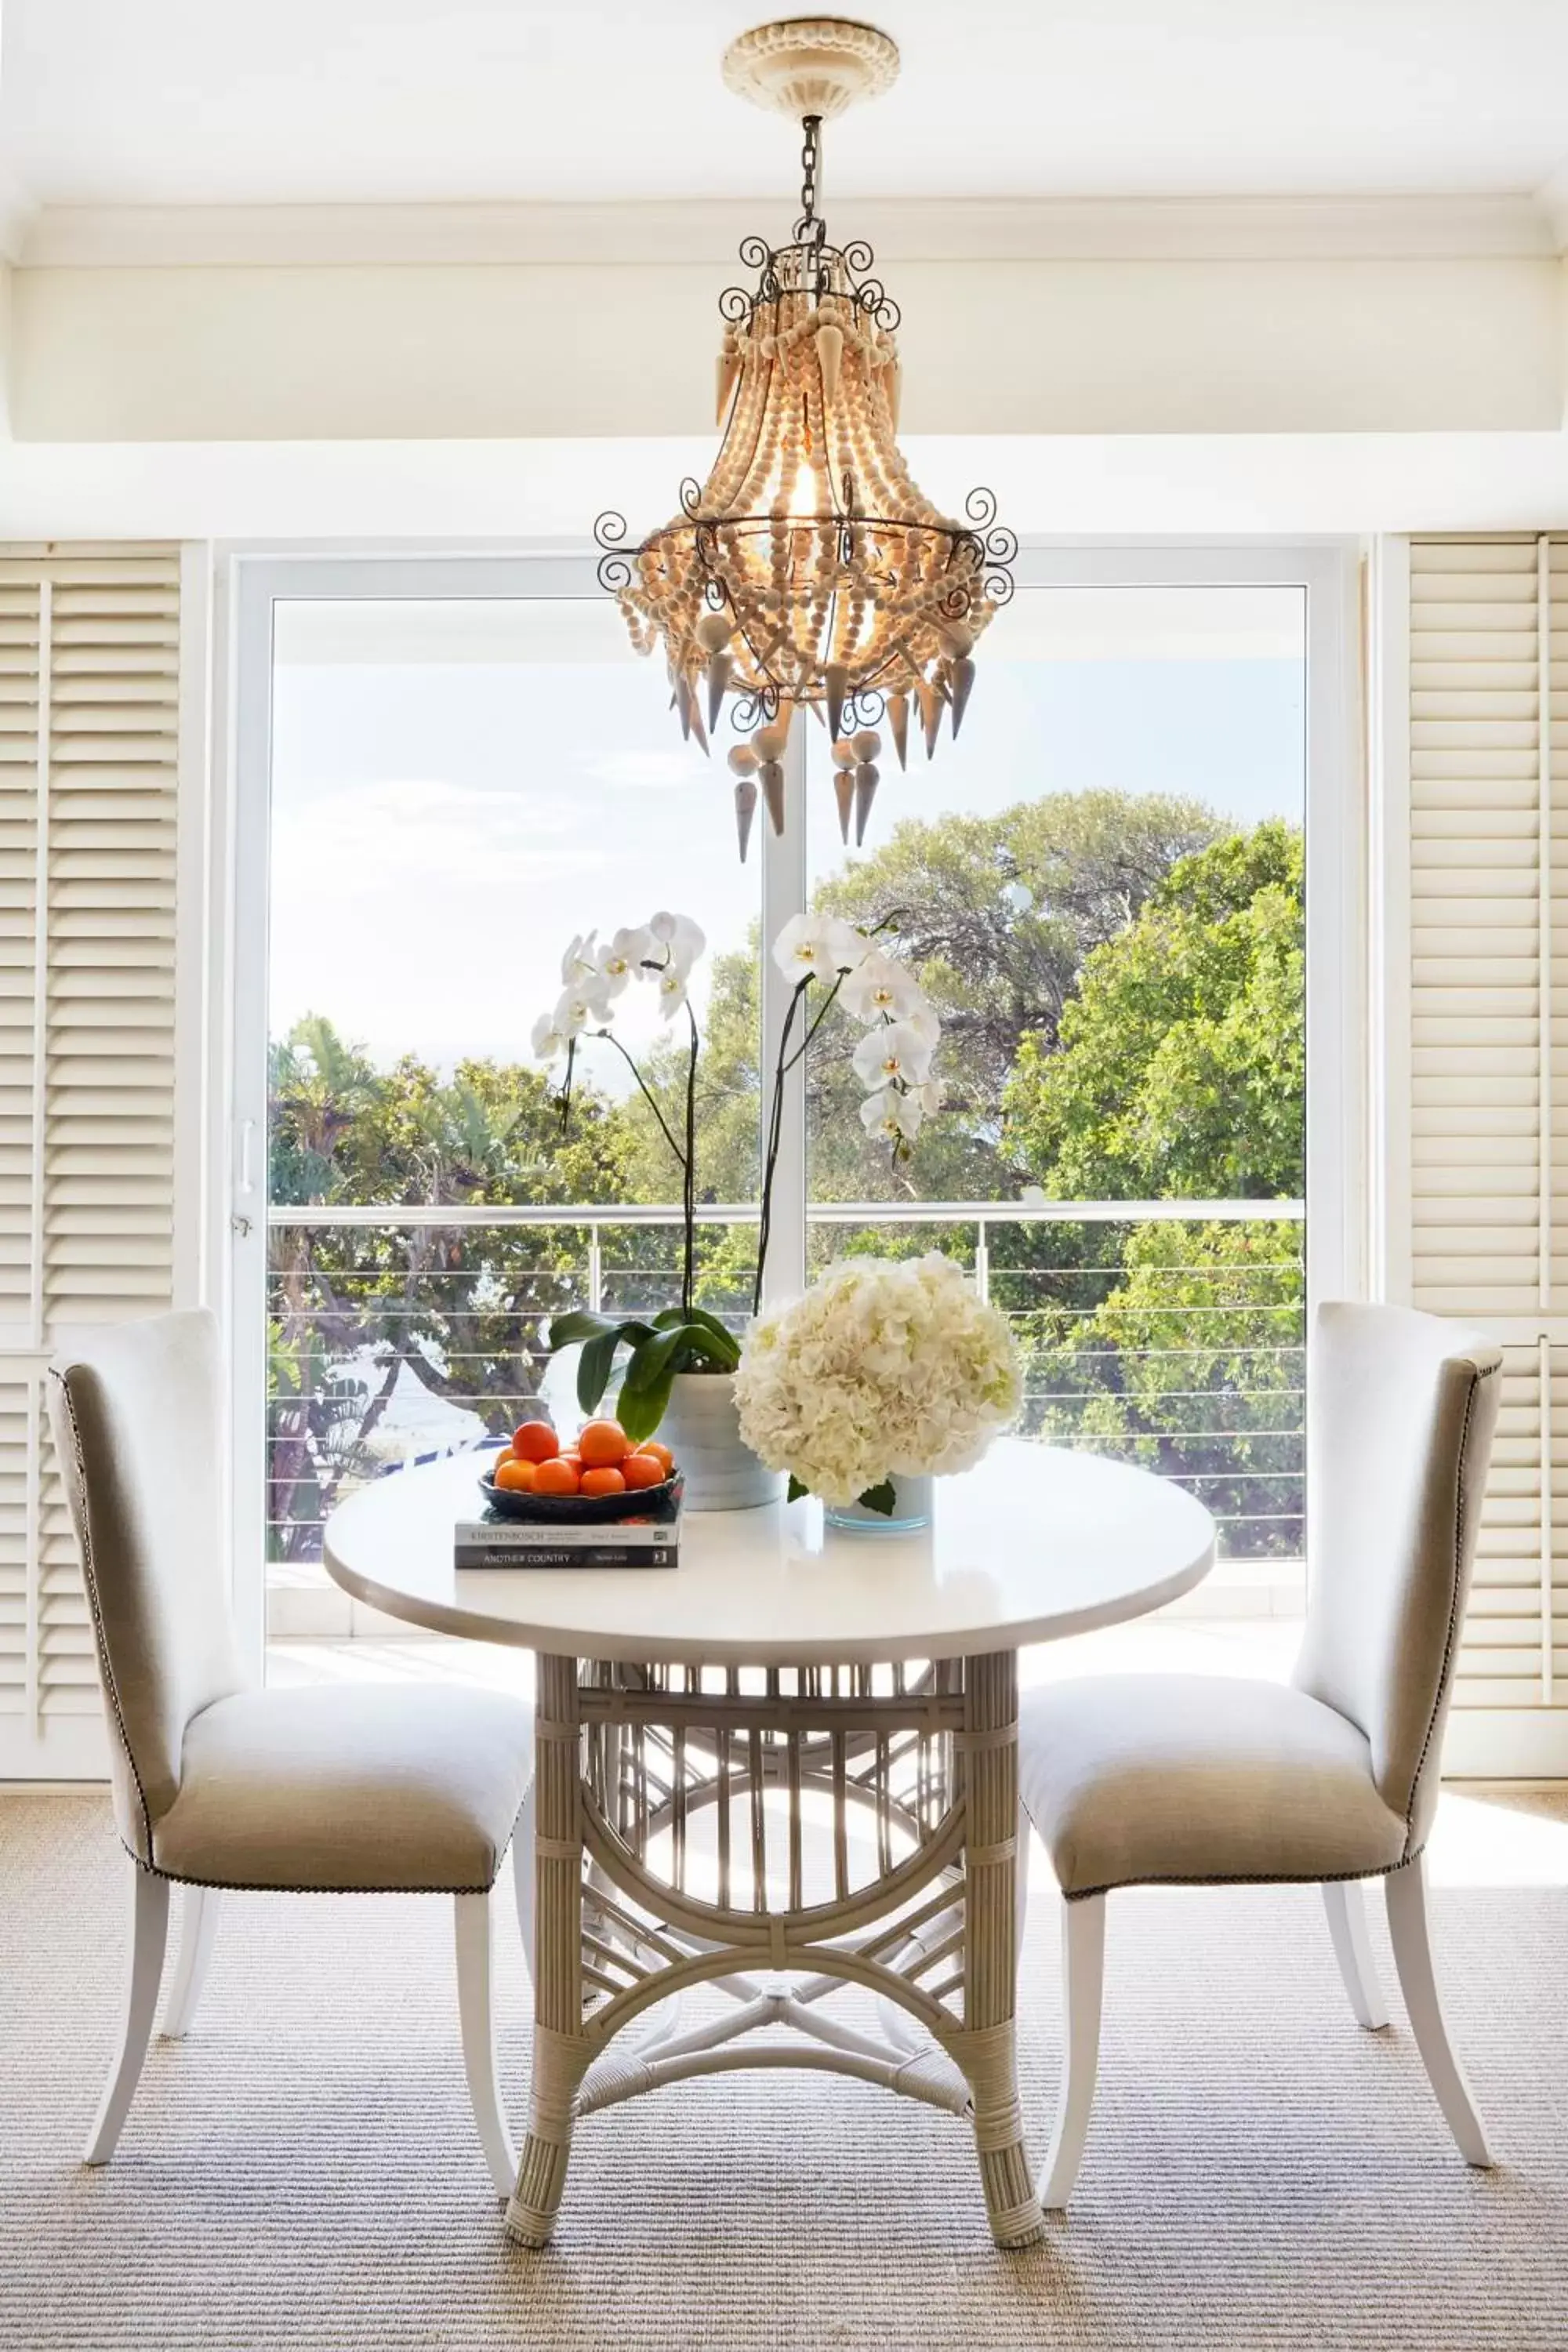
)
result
[(594, 1365)]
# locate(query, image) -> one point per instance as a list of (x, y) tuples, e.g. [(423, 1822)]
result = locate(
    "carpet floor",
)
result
[(302, 2171)]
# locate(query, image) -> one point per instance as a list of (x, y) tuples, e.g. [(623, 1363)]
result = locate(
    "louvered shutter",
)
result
[(88, 763), (1488, 1139)]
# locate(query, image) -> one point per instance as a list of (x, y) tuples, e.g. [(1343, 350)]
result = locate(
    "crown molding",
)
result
[(708, 232)]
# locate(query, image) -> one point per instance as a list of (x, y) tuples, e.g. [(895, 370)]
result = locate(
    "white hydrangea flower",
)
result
[(886, 1368), (894, 1053)]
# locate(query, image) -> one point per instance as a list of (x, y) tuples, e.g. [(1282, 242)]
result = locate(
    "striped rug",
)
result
[(302, 2171)]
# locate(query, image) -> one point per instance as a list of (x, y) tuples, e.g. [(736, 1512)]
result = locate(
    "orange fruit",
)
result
[(516, 1477), (572, 1458), (642, 1469), (535, 1440), (603, 1444), (556, 1476), (661, 1454), (605, 1480)]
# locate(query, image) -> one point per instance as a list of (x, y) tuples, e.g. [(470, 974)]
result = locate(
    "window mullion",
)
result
[(783, 895)]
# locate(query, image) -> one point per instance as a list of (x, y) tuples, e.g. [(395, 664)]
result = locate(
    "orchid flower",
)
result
[(892, 1113), (681, 939), (548, 1040), (893, 1054), (879, 989), (671, 992), (818, 947), (586, 1005), (580, 959), (623, 959)]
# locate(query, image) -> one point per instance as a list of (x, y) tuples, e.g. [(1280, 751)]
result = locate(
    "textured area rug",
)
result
[(302, 2171)]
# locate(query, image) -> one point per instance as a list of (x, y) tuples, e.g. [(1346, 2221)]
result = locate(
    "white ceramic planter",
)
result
[(701, 1426), (913, 1500)]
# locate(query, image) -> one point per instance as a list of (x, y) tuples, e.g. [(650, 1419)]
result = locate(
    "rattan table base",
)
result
[(678, 1811)]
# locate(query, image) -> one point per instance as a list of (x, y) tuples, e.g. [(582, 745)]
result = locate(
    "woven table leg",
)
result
[(560, 2050), (986, 2049)]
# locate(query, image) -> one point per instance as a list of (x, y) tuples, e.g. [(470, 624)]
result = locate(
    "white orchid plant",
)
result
[(660, 953), (893, 1060)]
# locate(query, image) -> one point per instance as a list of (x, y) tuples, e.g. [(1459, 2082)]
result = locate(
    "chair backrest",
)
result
[(137, 1423), (1401, 1411)]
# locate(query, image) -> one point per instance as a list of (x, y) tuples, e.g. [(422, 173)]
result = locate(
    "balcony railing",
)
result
[(1169, 1333)]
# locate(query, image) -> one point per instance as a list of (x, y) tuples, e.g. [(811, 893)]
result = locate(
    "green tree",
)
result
[(460, 1308), (1179, 1068), (994, 914)]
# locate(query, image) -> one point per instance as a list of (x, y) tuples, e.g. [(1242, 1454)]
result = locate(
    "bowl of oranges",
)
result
[(601, 1474)]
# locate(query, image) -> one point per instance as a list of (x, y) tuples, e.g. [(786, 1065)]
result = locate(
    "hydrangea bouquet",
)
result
[(886, 1368)]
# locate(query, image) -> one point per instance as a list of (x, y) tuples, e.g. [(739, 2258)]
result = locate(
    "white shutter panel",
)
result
[(89, 770), (1489, 1152)]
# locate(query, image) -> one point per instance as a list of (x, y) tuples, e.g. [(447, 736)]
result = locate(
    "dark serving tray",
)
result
[(659, 1502)]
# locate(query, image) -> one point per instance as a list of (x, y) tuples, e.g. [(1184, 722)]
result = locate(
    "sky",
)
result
[(457, 789)]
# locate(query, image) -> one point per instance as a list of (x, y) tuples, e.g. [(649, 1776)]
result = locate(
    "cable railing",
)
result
[(1167, 1333)]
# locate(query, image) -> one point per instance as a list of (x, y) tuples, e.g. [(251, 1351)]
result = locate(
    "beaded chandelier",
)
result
[(809, 570)]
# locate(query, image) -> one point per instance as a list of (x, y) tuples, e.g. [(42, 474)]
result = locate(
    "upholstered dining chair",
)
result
[(218, 1784), (1143, 1779)]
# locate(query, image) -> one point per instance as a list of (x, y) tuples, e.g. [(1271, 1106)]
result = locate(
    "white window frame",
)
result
[(250, 582)]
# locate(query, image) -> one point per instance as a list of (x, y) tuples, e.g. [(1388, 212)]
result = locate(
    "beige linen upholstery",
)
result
[(1137, 1777), (1133, 1778), (374, 1787), (136, 1429), (358, 1790), (1399, 1435)]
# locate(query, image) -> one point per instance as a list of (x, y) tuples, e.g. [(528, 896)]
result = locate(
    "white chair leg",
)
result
[(473, 1927), (1344, 1903), (144, 1967), (1404, 1892), (198, 1924), (522, 1876), (1083, 1971)]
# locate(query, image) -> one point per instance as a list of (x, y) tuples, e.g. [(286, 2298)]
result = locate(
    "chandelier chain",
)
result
[(812, 229)]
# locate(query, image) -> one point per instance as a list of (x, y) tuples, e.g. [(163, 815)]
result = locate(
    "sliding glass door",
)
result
[(448, 769)]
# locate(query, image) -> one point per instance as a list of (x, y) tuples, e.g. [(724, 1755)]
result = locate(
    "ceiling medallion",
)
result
[(808, 568)]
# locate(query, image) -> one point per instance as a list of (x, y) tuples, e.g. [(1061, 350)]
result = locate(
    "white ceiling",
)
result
[(368, 101)]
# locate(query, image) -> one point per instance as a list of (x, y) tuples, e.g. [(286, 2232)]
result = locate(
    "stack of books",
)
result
[(646, 1541)]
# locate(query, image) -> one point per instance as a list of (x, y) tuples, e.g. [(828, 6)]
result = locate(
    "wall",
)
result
[(537, 322)]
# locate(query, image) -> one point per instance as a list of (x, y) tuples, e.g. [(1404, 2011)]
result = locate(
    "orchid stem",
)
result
[(611, 1039), (775, 1132), (688, 1281)]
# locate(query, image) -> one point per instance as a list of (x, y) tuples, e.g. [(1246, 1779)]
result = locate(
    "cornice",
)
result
[(707, 231)]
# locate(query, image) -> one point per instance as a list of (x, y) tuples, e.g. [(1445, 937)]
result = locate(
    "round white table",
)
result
[(795, 1754)]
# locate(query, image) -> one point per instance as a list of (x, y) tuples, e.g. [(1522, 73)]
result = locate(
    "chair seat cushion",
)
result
[(383, 1787), (1133, 1778)]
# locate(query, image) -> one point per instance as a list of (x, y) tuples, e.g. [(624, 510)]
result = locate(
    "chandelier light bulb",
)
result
[(809, 569)]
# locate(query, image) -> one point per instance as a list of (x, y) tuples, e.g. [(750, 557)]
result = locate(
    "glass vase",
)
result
[(913, 1501)]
